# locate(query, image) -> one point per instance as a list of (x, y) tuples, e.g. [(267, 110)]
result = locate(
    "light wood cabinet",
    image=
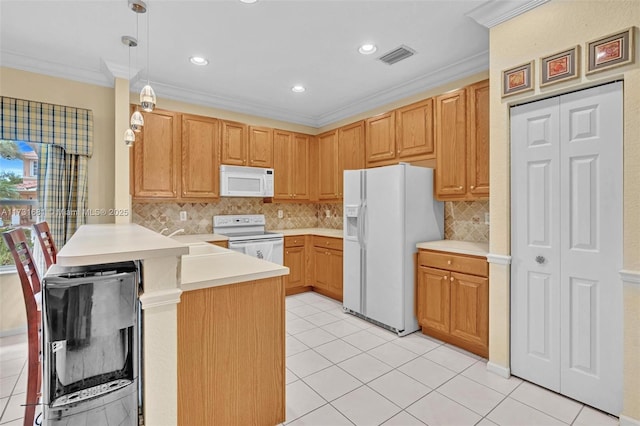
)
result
[(350, 151), (295, 258), (478, 180), (224, 244), (380, 146), (327, 263), (414, 131), (260, 150), (462, 143), (291, 166), (328, 165), (200, 157), (155, 157), (453, 299), (231, 354), (234, 143)]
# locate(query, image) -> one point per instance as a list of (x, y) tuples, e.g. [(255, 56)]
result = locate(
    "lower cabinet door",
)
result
[(433, 299), (335, 285), (294, 259), (322, 268), (470, 309)]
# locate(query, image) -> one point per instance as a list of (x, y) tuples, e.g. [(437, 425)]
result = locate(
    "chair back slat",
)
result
[(46, 243), (27, 272)]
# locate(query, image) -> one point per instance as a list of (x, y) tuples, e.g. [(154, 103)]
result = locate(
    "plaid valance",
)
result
[(67, 127)]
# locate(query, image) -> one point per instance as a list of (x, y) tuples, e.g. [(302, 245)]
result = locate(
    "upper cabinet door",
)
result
[(260, 147), (200, 157), (414, 131), (381, 139), (478, 178), (156, 157), (282, 161), (299, 164), (451, 144), (234, 143), (350, 151), (328, 166)]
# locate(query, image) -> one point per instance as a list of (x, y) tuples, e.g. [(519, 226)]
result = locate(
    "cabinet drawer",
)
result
[(328, 242), (294, 241), (454, 262)]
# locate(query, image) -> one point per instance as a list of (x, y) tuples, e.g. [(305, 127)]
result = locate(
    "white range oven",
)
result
[(247, 235)]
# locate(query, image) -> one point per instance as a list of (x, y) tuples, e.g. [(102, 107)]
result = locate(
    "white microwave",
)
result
[(238, 181)]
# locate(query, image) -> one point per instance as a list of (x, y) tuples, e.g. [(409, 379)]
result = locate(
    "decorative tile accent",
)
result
[(464, 221)]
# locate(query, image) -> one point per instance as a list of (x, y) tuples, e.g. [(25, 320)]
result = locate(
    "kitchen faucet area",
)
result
[(321, 213)]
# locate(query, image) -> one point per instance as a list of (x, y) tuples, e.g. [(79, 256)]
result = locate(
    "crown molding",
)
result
[(495, 12), (54, 69), (110, 70), (456, 71)]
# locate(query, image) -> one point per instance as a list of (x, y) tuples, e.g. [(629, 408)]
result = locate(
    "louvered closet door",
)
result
[(566, 204)]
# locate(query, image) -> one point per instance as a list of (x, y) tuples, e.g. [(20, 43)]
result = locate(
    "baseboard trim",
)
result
[(628, 421), (501, 371), (14, 331)]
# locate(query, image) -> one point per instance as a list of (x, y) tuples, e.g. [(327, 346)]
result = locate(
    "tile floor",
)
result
[(344, 371)]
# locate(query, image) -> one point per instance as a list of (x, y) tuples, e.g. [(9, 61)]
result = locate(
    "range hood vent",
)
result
[(397, 55)]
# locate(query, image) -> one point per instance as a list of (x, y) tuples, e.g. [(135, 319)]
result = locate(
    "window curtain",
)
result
[(65, 138)]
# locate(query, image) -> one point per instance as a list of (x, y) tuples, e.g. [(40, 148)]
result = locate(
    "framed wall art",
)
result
[(560, 66), (517, 80), (610, 51)]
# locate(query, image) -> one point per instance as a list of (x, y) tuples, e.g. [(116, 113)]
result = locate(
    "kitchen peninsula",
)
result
[(213, 326)]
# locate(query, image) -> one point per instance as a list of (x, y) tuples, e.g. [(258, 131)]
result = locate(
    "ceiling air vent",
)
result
[(397, 55)]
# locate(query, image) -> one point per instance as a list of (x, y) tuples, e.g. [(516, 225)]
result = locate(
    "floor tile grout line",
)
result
[(4, 410), (578, 415), (548, 414)]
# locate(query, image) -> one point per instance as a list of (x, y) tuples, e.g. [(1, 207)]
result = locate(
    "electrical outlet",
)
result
[(486, 218), (327, 213), (183, 216), (280, 214)]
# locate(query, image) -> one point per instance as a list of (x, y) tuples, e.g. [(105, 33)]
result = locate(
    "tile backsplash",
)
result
[(464, 220), (157, 216)]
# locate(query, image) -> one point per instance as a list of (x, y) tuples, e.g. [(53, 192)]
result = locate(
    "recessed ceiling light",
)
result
[(298, 88), (197, 60), (367, 48), (248, 1)]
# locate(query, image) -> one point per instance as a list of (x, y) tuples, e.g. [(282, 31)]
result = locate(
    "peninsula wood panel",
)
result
[(231, 354), (200, 157), (260, 147), (156, 156)]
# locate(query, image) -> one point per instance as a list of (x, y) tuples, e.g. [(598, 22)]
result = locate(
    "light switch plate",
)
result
[(486, 218), (183, 215)]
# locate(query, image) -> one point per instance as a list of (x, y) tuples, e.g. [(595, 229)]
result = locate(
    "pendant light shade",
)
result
[(147, 98), (137, 121), (129, 137)]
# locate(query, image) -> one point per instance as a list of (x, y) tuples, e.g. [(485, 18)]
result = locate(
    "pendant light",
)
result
[(129, 136), (147, 95)]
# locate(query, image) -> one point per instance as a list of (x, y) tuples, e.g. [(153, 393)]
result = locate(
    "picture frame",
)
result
[(517, 79), (610, 51), (560, 66)]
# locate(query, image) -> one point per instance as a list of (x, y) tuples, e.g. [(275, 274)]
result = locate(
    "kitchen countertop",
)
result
[(199, 238), (454, 246), (108, 243), (321, 232), (224, 267)]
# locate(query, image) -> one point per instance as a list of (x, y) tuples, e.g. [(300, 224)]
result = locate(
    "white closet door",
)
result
[(591, 252), (566, 217), (535, 243)]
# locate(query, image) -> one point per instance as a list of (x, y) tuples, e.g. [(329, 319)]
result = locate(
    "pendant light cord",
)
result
[(148, 41)]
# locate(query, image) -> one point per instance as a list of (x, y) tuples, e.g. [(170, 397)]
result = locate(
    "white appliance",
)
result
[(238, 181), (387, 211), (247, 235)]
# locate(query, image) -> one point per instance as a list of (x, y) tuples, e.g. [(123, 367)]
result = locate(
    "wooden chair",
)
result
[(46, 242), (30, 281)]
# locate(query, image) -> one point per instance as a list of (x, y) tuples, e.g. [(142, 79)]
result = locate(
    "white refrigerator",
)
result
[(387, 211)]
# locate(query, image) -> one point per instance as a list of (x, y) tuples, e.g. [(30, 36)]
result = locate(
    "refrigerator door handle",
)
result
[(360, 210), (363, 237)]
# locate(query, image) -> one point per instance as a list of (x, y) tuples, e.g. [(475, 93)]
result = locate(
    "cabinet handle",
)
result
[(451, 278), (445, 277), (448, 262), (460, 187), (287, 251), (398, 151), (472, 187)]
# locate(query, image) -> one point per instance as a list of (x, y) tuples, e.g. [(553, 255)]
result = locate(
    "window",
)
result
[(18, 192)]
